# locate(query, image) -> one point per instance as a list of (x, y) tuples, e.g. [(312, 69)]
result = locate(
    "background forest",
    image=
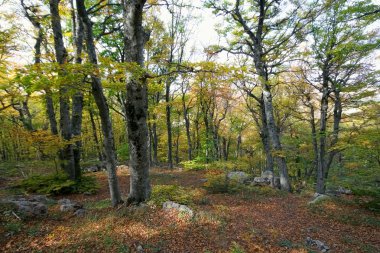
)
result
[(277, 93)]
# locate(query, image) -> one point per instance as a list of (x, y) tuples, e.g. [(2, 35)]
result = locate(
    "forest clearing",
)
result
[(190, 126)]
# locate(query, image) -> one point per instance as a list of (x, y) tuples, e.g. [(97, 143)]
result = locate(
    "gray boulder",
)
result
[(31, 209), (239, 176), (67, 205), (168, 205), (92, 169), (317, 244), (66, 208), (261, 181), (80, 212), (28, 207)]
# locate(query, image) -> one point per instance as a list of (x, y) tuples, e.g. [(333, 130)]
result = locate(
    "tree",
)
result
[(136, 105), (101, 102), (267, 39), (67, 153), (341, 45)]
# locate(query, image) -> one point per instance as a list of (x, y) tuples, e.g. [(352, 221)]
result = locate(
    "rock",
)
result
[(66, 208), (318, 198), (64, 202), (80, 212), (92, 169), (39, 198), (318, 244), (261, 181), (342, 190), (30, 208), (66, 205), (203, 180), (267, 174), (239, 176), (140, 248), (181, 208)]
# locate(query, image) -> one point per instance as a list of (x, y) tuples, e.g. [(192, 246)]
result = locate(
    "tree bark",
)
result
[(77, 110), (322, 133), (66, 154), (137, 102), (101, 102), (95, 135), (187, 126), (169, 124)]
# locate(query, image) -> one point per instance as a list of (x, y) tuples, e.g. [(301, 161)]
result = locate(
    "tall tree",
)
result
[(137, 100), (341, 44), (66, 154), (101, 102), (268, 40)]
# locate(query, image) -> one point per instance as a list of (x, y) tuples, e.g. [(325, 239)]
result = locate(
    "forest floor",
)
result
[(259, 221)]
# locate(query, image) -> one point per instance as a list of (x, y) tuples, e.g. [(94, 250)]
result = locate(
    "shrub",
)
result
[(58, 183), (162, 193), (219, 183), (195, 164)]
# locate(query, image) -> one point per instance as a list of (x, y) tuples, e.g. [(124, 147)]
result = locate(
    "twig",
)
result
[(16, 215)]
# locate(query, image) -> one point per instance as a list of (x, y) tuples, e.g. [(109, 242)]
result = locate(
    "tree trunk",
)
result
[(50, 112), (187, 125), (238, 146), (95, 135), (264, 134), (101, 102), (335, 134), (276, 143), (77, 99), (169, 124), (314, 140), (67, 155), (137, 102), (322, 137)]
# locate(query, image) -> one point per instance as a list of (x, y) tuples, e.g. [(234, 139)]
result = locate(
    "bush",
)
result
[(195, 164), (374, 193), (219, 183), (58, 183), (162, 193)]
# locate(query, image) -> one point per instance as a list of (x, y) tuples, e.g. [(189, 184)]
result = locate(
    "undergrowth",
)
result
[(58, 183)]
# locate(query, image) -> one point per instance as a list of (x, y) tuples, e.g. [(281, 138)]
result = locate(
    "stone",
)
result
[(317, 244), (267, 174), (261, 181), (342, 190), (203, 180), (67, 208), (239, 176), (66, 205), (80, 212), (30, 208), (180, 208), (64, 202), (92, 169), (140, 248)]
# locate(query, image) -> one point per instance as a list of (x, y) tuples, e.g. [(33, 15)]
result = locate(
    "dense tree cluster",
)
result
[(291, 89)]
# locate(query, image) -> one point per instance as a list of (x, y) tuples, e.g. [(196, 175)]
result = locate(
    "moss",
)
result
[(178, 194), (58, 183)]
